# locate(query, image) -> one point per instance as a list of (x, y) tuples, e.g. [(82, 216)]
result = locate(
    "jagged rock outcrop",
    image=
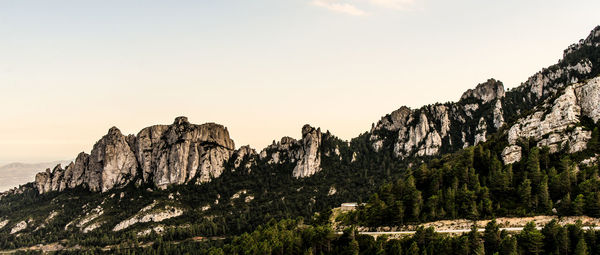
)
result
[(43, 181), (150, 214), (74, 172), (577, 65), (21, 225), (282, 151), (147, 140), (589, 98), (511, 154), (244, 154), (304, 153), (309, 155), (555, 123), (112, 162), (162, 154), (486, 92), (183, 152), (463, 127), (438, 128), (3, 223)]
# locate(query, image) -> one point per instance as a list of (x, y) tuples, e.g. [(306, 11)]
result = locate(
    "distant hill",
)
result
[(15, 174)]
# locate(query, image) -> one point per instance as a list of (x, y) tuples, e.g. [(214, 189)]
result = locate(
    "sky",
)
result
[(70, 70)]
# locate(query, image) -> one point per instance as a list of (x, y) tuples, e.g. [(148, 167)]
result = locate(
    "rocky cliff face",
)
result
[(244, 154), (162, 154), (485, 92), (178, 153), (111, 162), (439, 128), (304, 153), (555, 123), (579, 63), (309, 155)]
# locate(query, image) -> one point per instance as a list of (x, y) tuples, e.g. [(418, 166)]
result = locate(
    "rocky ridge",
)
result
[(304, 153), (438, 128), (182, 152), (162, 154), (179, 153), (555, 123)]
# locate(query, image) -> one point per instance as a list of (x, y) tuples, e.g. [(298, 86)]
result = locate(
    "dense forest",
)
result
[(294, 237), (474, 183)]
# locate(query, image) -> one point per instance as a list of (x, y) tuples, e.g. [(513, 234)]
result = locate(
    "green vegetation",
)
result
[(293, 237), (474, 184)]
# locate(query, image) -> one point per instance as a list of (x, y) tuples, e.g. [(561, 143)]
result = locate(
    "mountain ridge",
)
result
[(426, 131)]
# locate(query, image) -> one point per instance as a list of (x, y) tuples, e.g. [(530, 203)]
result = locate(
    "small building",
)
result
[(348, 206)]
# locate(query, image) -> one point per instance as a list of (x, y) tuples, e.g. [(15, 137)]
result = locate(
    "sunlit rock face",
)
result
[(434, 129), (485, 92), (555, 123), (304, 154), (161, 154), (178, 153), (111, 163), (511, 154), (244, 154), (309, 155)]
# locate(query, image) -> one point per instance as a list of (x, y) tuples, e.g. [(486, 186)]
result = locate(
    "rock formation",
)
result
[(486, 92), (305, 153), (511, 154), (164, 155), (282, 151), (111, 163), (554, 124), (178, 153), (309, 155), (432, 129), (244, 153)]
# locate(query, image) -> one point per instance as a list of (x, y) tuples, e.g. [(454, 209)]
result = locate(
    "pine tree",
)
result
[(581, 248), (578, 204), (413, 249), (508, 246), (394, 247), (353, 248), (530, 239), (565, 205), (491, 237), (525, 193), (544, 196), (533, 166), (475, 244), (551, 234), (563, 241)]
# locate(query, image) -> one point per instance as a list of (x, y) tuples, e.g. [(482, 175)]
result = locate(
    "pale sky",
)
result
[(69, 70)]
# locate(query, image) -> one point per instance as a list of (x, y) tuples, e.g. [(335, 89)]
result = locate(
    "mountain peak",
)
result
[(488, 91), (181, 120), (114, 131)]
